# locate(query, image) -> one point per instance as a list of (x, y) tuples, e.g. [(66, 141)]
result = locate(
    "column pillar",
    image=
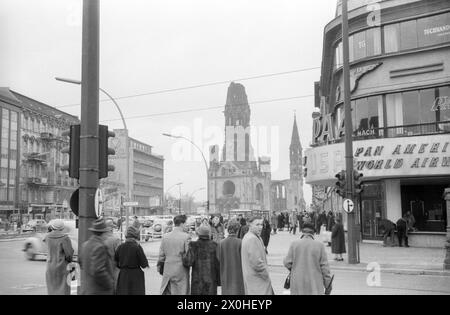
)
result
[(447, 244)]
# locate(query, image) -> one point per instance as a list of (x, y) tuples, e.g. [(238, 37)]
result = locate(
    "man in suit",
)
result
[(254, 262), (174, 246)]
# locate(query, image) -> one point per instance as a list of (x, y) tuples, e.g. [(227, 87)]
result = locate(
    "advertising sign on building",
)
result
[(399, 157)]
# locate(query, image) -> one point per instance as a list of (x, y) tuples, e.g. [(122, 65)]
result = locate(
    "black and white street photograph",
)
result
[(238, 148)]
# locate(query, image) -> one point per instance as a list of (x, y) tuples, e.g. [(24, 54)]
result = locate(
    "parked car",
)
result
[(39, 225), (158, 229)]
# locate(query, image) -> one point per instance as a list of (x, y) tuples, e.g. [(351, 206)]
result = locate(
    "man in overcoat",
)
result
[(254, 262), (229, 256), (98, 270), (174, 246)]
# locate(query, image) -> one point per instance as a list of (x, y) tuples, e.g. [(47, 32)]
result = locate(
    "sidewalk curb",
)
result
[(12, 239)]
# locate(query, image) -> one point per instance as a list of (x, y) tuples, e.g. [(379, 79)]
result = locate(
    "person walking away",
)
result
[(130, 259), (254, 262), (172, 249), (338, 240), (230, 262), (308, 263), (265, 233), (217, 230), (60, 254), (202, 257), (280, 221), (112, 243), (294, 222), (243, 229), (98, 270), (274, 221), (402, 231)]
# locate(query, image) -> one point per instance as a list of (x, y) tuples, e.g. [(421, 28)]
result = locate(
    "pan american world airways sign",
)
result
[(399, 157)]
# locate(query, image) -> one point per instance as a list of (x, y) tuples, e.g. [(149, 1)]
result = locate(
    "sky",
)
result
[(148, 46)]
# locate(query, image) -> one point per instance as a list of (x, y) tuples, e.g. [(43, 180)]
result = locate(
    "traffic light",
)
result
[(357, 180), (104, 151), (73, 150), (340, 185)]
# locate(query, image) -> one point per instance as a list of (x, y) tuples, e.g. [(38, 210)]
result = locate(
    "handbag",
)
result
[(287, 282), (160, 267)]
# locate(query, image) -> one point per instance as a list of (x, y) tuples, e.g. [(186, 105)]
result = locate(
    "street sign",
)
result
[(131, 204), (348, 205), (98, 203)]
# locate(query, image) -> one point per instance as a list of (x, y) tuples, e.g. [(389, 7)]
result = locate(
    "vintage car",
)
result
[(157, 229), (35, 246), (35, 226)]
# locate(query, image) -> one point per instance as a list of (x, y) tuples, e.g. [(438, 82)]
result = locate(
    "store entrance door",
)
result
[(372, 211), (372, 214)]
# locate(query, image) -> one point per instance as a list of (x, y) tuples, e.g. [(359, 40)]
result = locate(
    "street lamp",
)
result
[(192, 195), (127, 145), (177, 184), (204, 160)]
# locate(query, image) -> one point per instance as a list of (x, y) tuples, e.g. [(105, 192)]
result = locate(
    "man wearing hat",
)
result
[(98, 269), (308, 263)]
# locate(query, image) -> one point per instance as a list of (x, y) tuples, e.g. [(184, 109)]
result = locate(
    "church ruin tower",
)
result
[(237, 146), (295, 154)]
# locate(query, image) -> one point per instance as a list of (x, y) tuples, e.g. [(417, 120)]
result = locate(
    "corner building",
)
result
[(400, 98)]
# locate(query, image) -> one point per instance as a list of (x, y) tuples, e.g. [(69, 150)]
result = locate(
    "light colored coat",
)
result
[(254, 266), (173, 246), (308, 262)]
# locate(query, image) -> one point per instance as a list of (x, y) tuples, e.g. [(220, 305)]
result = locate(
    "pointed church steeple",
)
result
[(295, 154)]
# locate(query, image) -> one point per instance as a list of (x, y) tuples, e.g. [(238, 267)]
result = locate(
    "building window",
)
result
[(433, 30), (228, 188), (443, 102), (408, 35), (391, 38), (367, 114)]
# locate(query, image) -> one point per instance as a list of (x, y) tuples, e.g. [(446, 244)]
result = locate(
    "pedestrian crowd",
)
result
[(237, 263)]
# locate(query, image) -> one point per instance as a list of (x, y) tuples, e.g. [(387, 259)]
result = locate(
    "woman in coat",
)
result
[(338, 240), (265, 233), (130, 258), (201, 256), (60, 254)]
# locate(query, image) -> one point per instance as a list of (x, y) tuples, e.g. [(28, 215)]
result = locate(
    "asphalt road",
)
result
[(19, 276)]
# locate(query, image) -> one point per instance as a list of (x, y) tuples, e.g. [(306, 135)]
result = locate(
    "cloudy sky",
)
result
[(155, 45)]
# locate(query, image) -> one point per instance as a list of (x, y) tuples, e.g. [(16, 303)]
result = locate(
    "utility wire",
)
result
[(258, 102), (209, 108), (200, 85)]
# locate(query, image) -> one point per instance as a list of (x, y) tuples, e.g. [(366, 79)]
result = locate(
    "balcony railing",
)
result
[(435, 128), (404, 131)]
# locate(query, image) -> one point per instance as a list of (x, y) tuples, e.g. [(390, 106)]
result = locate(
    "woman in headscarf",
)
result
[(60, 254), (130, 258)]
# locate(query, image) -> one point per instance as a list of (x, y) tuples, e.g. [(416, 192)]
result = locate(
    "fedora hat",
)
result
[(99, 225), (57, 225)]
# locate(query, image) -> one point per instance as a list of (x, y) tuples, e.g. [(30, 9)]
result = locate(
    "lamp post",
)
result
[(192, 196), (447, 246), (127, 143), (204, 160), (177, 184)]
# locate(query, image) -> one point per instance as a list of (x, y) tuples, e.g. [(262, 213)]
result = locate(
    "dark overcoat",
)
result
[(338, 239), (265, 233), (229, 256), (202, 258), (130, 258), (60, 254), (98, 270)]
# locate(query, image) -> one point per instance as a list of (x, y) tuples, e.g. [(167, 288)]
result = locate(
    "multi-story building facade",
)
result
[(45, 189), (400, 98), (10, 112), (145, 169)]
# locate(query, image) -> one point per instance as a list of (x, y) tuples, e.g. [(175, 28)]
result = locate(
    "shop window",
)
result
[(367, 115), (434, 30), (408, 38)]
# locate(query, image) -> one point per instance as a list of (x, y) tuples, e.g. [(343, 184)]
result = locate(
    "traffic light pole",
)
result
[(352, 233), (89, 142)]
